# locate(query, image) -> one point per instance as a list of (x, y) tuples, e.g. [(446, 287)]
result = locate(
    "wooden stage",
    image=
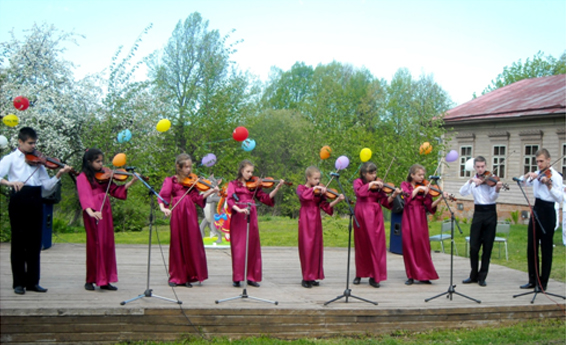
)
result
[(68, 313)]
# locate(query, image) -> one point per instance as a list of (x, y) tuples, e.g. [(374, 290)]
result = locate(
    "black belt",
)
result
[(484, 208), (544, 203), (26, 191)]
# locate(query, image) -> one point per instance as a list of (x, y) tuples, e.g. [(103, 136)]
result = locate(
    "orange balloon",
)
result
[(119, 160), (425, 148), (325, 152)]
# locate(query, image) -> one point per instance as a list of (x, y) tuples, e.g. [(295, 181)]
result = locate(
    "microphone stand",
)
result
[(537, 289), (244, 293), (348, 292), (149, 292), (451, 288)]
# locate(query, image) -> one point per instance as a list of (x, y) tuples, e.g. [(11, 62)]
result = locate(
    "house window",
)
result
[(499, 160), (465, 154), (564, 162), (530, 162)]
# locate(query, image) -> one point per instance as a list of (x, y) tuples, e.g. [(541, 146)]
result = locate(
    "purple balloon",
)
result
[(209, 160), (452, 156), (342, 163)]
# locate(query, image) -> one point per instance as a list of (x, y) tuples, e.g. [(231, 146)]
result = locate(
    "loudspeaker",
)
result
[(47, 226), (396, 234)]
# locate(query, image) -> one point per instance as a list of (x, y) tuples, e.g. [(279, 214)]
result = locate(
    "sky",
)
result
[(463, 44)]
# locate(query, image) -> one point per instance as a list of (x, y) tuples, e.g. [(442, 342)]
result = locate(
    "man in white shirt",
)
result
[(547, 191), (26, 210)]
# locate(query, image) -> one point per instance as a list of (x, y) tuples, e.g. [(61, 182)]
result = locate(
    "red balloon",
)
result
[(240, 134), (21, 103)]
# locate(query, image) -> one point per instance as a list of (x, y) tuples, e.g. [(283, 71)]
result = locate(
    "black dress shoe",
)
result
[(409, 281), (469, 281), (425, 281), (482, 283), (109, 287), (19, 290), (306, 284), (36, 288), (89, 286), (236, 284), (357, 280), (314, 283), (171, 284), (527, 286), (254, 284), (373, 283)]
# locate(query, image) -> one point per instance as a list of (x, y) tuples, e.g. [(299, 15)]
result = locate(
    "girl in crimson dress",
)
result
[(187, 258), (369, 236), (415, 239), (97, 216), (238, 196), (312, 198)]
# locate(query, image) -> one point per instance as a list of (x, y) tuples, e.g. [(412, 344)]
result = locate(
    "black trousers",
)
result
[(547, 216), (482, 234), (26, 214)]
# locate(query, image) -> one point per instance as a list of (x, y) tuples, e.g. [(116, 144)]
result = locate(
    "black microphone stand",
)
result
[(348, 292), (149, 292), (451, 288), (537, 288)]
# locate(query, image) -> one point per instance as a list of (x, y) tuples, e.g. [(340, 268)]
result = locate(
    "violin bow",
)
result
[(106, 194), (387, 172), (184, 195), (506, 158)]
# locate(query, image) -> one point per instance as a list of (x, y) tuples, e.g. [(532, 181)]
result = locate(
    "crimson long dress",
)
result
[(416, 244), (238, 224), (100, 250), (187, 258), (310, 232), (369, 237)]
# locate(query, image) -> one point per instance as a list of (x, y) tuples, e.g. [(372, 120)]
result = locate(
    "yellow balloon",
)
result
[(163, 125), (119, 160), (11, 120), (365, 154), (425, 148)]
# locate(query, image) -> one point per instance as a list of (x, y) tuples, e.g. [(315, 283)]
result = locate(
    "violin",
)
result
[(546, 173), (200, 184), (36, 158), (118, 175), (434, 192), (255, 182), (330, 193), (491, 180), (387, 188)]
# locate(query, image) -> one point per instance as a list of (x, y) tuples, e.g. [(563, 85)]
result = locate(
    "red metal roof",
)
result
[(527, 97)]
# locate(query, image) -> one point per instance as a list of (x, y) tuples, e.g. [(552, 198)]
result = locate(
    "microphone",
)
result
[(130, 168), (432, 177), (235, 197), (517, 179), (334, 174)]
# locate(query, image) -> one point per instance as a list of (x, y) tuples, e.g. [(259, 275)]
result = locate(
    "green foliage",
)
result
[(515, 215)]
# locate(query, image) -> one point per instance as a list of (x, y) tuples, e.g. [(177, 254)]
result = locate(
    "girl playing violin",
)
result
[(241, 200), (312, 197), (369, 237), (187, 258), (416, 244), (97, 216)]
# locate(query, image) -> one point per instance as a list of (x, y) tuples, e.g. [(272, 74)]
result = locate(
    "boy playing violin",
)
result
[(484, 222), (26, 210), (312, 198)]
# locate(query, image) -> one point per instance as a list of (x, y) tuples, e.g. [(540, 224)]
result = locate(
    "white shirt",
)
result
[(483, 194), (15, 167), (541, 191)]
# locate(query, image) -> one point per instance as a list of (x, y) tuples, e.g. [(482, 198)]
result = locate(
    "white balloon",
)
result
[(470, 165), (3, 142)]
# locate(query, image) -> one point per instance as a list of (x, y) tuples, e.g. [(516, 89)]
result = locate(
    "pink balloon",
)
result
[(341, 163), (452, 156)]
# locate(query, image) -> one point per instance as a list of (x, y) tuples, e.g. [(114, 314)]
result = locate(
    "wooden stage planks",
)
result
[(69, 314)]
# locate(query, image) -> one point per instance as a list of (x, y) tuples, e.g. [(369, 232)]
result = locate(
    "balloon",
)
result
[(469, 165), (124, 136), (365, 154), (240, 134), (208, 160), (325, 152), (3, 142), (163, 125), (248, 144), (21, 103), (11, 120), (119, 160), (341, 163), (452, 156), (425, 148)]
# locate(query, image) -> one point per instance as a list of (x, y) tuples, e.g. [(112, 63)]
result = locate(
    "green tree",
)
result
[(538, 66)]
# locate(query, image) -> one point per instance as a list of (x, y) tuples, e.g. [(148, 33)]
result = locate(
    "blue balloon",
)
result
[(124, 136), (248, 144)]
